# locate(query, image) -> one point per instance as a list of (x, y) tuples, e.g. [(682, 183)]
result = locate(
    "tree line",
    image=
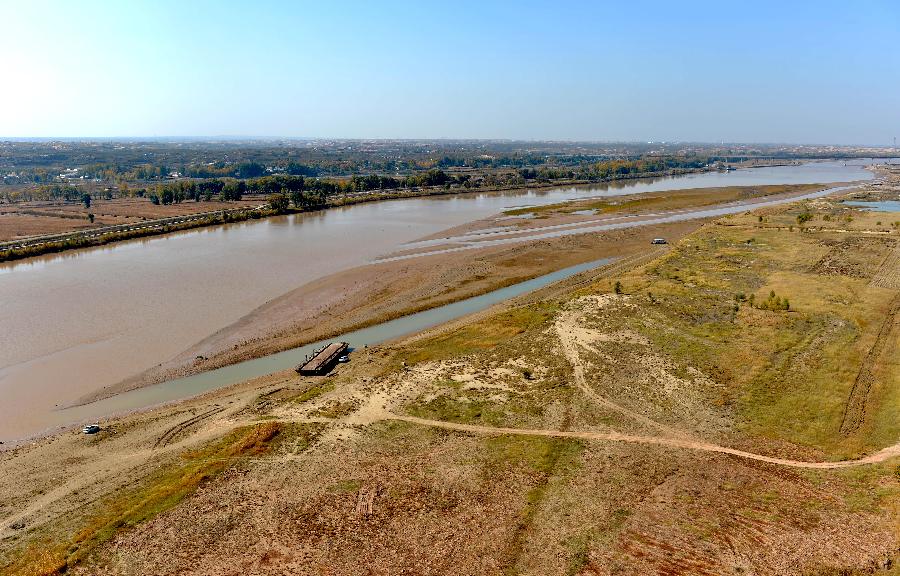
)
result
[(611, 169), (303, 192), (306, 191)]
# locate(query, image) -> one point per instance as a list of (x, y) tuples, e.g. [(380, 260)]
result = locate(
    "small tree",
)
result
[(297, 198), (278, 202), (233, 190), (86, 200), (618, 287), (91, 218)]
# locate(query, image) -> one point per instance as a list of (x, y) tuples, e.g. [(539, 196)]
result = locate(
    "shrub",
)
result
[(773, 302)]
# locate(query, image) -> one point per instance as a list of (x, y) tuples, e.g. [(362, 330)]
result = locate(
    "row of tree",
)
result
[(610, 169), (196, 190), (310, 191), (306, 191)]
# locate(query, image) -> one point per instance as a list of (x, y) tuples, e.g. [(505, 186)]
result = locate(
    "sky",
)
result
[(793, 72)]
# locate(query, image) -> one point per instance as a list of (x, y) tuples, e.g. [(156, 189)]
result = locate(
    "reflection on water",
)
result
[(78, 321), (876, 205)]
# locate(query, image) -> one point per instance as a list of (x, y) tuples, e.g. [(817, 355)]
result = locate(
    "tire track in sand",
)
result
[(570, 348), (855, 408)]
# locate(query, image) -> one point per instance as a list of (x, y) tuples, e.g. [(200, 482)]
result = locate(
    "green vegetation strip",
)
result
[(545, 458)]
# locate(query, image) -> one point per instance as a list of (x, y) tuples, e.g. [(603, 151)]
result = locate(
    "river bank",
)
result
[(380, 292)]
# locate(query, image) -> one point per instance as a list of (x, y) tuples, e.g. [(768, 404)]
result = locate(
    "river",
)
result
[(79, 321)]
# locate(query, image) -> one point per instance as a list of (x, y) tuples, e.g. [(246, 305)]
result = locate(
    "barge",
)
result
[(323, 359)]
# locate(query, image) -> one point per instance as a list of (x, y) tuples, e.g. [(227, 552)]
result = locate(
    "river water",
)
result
[(76, 322)]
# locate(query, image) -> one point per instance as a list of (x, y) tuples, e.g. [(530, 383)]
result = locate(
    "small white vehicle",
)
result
[(658, 241), (91, 429), (344, 359)]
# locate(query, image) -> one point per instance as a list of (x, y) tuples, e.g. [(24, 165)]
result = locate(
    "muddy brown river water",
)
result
[(76, 322)]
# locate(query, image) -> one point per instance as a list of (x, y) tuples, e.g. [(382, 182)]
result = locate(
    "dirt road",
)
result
[(880, 456)]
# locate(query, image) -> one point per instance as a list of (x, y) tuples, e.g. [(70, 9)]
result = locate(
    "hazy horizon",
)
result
[(799, 74), (224, 138)]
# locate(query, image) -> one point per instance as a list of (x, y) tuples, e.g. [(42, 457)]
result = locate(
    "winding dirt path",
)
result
[(374, 413), (880, 456)]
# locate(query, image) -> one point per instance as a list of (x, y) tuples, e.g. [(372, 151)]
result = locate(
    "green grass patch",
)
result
[(545, 457), (314, 392), (482, 335), (579, 546), (871, 489), (334, 409), (466, 410), (346, 486), (785, 374), (579, 555), (542, 455)]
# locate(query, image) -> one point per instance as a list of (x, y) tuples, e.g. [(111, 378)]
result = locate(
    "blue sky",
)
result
[(814, 72)]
